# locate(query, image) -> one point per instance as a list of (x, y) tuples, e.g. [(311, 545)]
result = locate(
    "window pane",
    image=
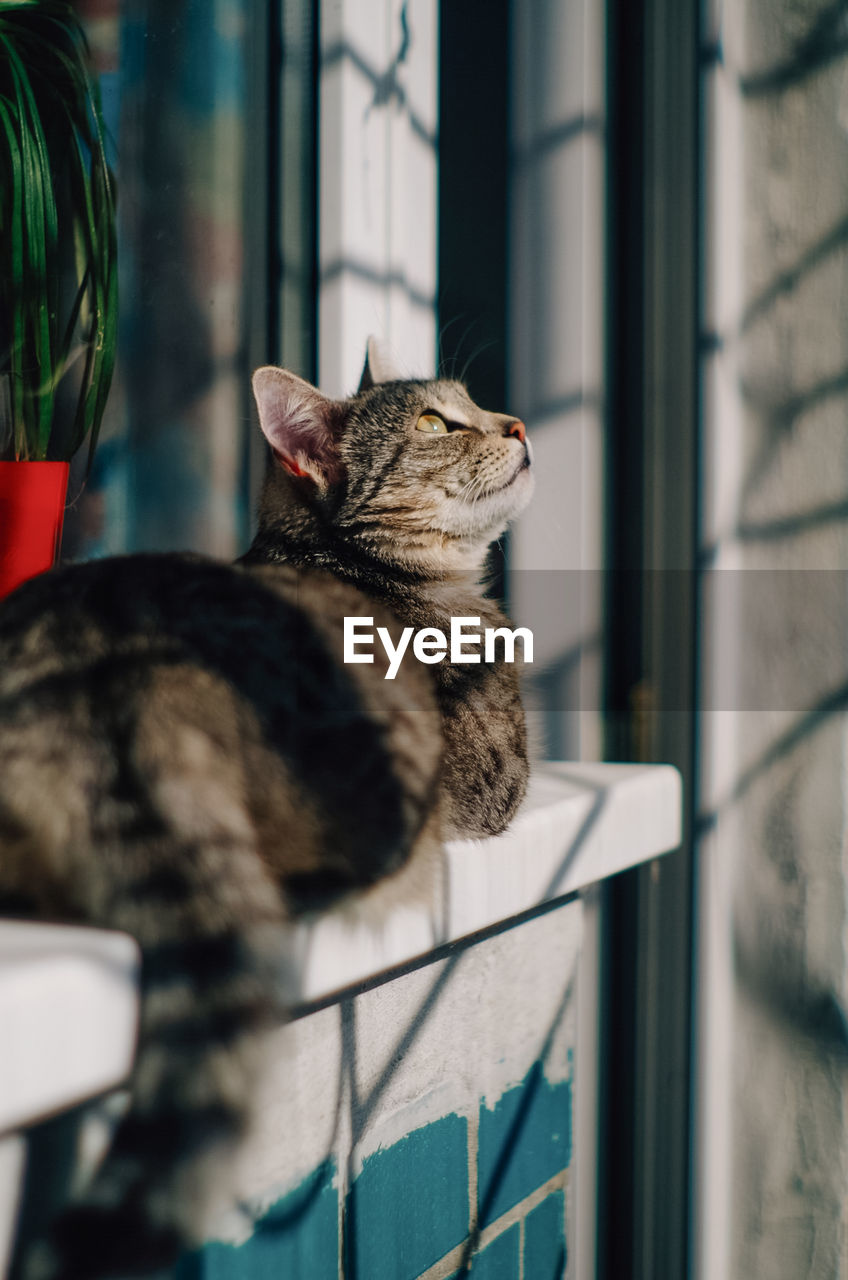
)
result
[(171, 467)]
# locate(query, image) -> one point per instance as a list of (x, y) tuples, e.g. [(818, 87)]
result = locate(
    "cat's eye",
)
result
[(432, 424)]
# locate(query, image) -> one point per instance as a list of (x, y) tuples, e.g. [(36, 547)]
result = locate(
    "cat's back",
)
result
[(268, 628), (143, 607), (171, 685)]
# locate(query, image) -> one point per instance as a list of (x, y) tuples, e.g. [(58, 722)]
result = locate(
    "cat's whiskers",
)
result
[(472, 490)]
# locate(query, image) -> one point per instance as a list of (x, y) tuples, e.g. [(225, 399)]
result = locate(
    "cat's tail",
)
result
[(209, 923)]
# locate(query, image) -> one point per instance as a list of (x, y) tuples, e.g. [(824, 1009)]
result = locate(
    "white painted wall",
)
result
[(377, 188), (556, 342), (772, 1146), (472, 1026)]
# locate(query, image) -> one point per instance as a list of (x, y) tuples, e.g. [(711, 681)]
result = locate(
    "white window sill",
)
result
[(579, 824), (68, 1008), (68, 1001)]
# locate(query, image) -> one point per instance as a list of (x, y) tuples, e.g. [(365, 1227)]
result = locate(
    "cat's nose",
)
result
[(518, 429)]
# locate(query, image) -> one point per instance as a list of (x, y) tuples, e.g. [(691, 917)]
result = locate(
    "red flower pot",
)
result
[(32, 508)]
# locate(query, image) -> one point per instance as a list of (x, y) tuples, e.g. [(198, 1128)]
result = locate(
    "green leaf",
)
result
[(52, 140), (16, 269)]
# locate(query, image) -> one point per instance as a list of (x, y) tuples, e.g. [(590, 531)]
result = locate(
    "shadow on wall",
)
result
[(432, 1198)]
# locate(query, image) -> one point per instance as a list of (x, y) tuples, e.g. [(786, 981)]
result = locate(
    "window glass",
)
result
[(171, 467)]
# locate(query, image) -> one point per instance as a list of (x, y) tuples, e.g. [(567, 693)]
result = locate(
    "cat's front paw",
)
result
[(485, 803)]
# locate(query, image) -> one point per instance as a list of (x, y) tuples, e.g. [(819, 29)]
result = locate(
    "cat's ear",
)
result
[(378, 366), (297, 421)]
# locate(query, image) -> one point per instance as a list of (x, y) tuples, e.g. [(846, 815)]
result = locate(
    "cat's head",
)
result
[(411, 471)]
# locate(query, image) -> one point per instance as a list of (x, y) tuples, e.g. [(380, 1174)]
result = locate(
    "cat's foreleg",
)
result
[(485, 765)]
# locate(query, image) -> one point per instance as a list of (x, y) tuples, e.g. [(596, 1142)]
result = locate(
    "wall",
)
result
[(773, 1048), (556, 355), (420, 1122), (377, 186)]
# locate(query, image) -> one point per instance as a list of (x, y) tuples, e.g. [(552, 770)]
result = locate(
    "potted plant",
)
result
[(58, 274)]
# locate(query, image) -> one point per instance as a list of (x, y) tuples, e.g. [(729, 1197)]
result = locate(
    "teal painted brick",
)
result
[(544, 1239), (409, 1205), (499, 1260), (523, 1141), (299, 1237)]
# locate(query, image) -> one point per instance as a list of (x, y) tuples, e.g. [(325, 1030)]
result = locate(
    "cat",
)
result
[(185, 755)]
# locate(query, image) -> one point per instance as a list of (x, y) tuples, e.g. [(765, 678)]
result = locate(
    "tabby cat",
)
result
[(184, 755)]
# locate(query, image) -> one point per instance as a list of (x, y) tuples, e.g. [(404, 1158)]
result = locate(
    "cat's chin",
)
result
[(521, 484), (520, 475), (465, 543), (508, 501)]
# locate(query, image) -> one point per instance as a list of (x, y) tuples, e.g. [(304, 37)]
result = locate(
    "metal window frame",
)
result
[(280, 205), (652, 308)]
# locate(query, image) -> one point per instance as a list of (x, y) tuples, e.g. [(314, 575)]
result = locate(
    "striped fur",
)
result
[(184, 755)]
